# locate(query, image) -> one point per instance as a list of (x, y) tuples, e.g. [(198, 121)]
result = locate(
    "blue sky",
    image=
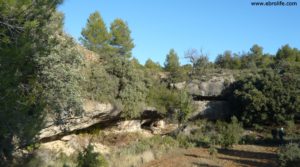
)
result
[(213, 26)]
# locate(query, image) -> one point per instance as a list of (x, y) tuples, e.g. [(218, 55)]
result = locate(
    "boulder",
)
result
[(180, 85), (129, 126), (158, 126)]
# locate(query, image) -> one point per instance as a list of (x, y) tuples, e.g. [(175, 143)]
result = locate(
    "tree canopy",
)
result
[(266, 98), (95, 35), (39, 65), (121, 40)]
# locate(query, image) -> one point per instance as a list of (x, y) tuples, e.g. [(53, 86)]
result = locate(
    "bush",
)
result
[(266, 98), (230, 133), (201, 134), (88, 158), (162, 98), (249, 139), (289, 155), (291, 128), (213, 150), (185, 141), (208, 134), (98, 84)]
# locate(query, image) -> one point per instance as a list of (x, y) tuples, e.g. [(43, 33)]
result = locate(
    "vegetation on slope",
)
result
[(43, 72)]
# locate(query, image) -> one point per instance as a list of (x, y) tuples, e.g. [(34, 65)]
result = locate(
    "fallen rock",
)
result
[(129, 126), (157, 126)]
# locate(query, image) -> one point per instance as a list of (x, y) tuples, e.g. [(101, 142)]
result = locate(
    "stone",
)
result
[(207, 87), (180, 85), (158, 127), (129, 126)]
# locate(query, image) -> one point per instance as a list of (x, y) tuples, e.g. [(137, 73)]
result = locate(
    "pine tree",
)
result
[(172, 66), (288, 53), (121, 40), (95, 36), (172, 61)]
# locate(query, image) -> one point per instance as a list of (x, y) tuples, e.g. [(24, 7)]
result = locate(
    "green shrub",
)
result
[(88, 158), (230, 133), (203, 134), (289, 155), (248, 139), (213, 150), (290, 127), (266, 98), (162, 98), (185, 141), (98, 84)]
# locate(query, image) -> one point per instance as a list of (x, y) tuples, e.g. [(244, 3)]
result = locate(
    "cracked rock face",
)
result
[(93, 113), (210, 87)]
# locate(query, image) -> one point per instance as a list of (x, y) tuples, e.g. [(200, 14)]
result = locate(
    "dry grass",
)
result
[(240, 155)]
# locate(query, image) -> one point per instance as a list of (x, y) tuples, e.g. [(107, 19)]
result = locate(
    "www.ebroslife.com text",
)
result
[(274, 3)]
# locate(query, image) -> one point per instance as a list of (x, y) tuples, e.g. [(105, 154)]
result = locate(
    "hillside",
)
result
[(91, 103)]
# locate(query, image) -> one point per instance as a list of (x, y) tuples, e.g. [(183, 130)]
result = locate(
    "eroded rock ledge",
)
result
[(94, 113)]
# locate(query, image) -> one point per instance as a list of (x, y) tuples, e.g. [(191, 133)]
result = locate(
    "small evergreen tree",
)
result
[(121, 40), (172, 66), (95, 35), (172, 61), (185, 107)]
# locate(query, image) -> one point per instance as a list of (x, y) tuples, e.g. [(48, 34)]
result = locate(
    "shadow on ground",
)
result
[(247, 154)]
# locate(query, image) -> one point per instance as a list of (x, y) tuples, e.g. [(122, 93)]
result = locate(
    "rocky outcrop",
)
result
[(206, 87), (93, 113), (102, 114)]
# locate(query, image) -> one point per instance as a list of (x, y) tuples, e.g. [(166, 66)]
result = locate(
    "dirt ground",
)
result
[(240, 155)]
